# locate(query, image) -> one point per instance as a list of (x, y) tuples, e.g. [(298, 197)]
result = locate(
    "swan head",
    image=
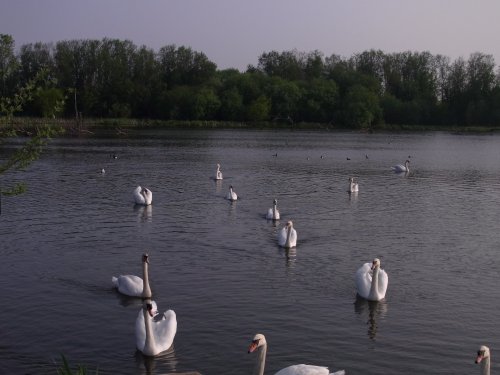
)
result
[(482, 353), (375, 263), (258, 340), (148, 306), (275, 202), (145, 258), (289, 224)]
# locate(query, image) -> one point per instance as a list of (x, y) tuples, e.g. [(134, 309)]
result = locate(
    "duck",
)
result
[(372, 281), (143, 196), (287, 236), (218, 173), (353, 186), (231, 195), (259, 345), (402, 168), (132, 285), (483, 358), (273, 213)]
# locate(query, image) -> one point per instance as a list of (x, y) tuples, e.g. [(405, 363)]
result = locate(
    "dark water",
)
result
[(218, 265)]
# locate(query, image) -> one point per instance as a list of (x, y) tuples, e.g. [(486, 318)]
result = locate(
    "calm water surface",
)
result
[(217, 264)]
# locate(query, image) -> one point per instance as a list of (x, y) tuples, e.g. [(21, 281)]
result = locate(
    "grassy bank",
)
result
[(122, 127)]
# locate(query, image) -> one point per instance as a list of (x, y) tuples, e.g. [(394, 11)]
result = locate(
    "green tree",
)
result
[(8, 65), (361, 109)]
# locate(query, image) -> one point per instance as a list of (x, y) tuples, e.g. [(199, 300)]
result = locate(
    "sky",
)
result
[(234, 33)]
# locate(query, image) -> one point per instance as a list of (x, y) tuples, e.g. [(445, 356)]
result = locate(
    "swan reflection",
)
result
[(144, 213), (166, 362), (291, 256), (373, 311), (218, 186)]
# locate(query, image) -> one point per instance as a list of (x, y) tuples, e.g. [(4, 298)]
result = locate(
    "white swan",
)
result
[(273, 213), (402, 168), (259, 343), (218, 174), (483, 357), (143, 196), (371, 281), (231, 195), (353, 186), (154, 335), (132, 285), (287, 236)]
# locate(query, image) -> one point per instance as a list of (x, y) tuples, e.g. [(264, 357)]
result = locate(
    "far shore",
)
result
[(126, 127)]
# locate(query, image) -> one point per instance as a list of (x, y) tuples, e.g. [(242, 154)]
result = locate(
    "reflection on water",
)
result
[(166, 361), (218, 186), (372, 311), (144, 213), (291, 256)]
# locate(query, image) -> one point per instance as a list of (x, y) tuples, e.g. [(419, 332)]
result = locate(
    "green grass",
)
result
[(65, 369)]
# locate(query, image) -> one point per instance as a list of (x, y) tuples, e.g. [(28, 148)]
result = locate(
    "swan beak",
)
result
[(253, 346), (479, 357)]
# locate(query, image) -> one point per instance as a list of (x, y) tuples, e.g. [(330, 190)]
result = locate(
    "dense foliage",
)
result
[(112, 78)]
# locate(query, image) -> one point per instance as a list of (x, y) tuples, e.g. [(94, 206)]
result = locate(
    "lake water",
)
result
[(218, 265)]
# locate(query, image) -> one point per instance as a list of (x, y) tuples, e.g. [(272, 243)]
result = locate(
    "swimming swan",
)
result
[(353, 186), (143, 196), (402, 168), (273, 213), (132, 285), (259, 344), (231, 195), (218, 173), (154, 335), (483, 357), (287, 236), (371, 281)]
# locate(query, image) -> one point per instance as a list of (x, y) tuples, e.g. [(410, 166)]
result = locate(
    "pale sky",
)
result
[(234, 33)]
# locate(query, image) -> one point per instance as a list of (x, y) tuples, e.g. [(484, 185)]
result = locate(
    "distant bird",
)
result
[(218, 173), (366, 156), (259, 344), (273, 213), (114, 156), (287, 236), (483, 357), (275, 155), (231, 195), (143, 196), (348, 158), (103, 171), (402, 168), (353, 186), (372, 281)]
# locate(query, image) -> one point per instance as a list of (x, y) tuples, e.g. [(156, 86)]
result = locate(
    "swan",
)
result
[(353, 186), (231, 195), (259, 343), (132, 285), (154, 334), (402, 168), (483, 357), (143, 196), (218, 174), (273, 213), (371, 281), (287, 236)]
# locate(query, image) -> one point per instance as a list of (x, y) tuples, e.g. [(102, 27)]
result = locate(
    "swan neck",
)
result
[(288, 233), (260, 361), (485, 366), (146, 289), (149, 344), (374, 286)]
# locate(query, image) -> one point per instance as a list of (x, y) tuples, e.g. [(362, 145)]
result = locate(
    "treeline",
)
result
[(112, 78)]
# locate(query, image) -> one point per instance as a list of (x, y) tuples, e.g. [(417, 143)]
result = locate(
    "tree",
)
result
[(8, 65), (23, 156)]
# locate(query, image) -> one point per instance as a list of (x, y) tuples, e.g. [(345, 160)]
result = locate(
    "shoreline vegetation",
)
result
[(106, 127)]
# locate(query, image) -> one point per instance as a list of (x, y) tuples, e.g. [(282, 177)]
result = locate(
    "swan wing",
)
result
[(304, 370), (140, 331), (129, 285), (149, 197), (282, 237), (165, 330), (138, 198), (364, 280), (277, 215), (269, 215)]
